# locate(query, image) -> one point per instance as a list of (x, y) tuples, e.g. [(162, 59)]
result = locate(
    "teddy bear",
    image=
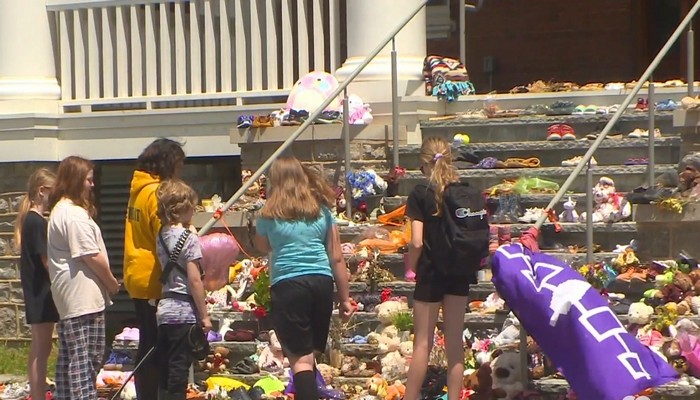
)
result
[(638, 315), (680, 287), (386, 336), (353, 367), (272, 358), (506, 373), (218, 362), (406, 350), (609, 206), (393, 366), (479, 385)]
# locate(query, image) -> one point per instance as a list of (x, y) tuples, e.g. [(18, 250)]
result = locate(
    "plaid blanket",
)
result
[(446, 77)]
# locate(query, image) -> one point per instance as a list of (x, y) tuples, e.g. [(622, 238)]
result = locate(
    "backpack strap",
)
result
[(173, 255)]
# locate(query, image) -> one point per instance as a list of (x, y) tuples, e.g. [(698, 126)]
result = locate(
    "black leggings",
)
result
[(174, 359), (146, 377)]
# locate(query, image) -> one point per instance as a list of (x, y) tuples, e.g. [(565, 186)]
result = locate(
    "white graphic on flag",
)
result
[(570, 294)]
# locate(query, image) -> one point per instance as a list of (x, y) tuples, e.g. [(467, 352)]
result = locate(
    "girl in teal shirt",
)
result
[(297, 227)]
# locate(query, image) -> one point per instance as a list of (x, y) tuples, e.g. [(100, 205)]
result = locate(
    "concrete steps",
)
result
[(552, 153), (533, 128), (626, 177)]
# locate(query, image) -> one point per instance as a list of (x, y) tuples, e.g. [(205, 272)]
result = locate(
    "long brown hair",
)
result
[(436, 152), (40, 177), (296, 192), (70, 183)]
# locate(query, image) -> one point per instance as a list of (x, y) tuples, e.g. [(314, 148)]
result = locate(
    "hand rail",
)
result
[(623, 107), (284, 146)]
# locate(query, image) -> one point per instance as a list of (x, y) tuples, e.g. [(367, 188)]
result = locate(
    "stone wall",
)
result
[(12, 324)]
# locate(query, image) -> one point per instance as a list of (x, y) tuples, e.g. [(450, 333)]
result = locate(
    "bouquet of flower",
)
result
[(261, 288), (598, 275), (365, 183)]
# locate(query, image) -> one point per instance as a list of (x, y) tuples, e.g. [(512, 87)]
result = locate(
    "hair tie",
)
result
[(438, 156)]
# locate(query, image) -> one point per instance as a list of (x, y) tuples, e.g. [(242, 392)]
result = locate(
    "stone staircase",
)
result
[(503, 138)]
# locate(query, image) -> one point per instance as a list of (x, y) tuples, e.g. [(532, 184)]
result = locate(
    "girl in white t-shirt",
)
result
[(81, 281)]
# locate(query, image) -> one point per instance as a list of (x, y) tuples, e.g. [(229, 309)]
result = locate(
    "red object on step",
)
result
[(386, 295), (552, 217), (529, 239)]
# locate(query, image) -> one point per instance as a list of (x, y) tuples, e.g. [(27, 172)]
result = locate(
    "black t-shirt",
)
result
[(421, 206), (35, 278)]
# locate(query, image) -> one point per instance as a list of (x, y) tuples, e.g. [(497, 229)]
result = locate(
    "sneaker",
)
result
[(531, 215), (245, 121), (329, 117), (574, 161), (554, 132), (567, 132)]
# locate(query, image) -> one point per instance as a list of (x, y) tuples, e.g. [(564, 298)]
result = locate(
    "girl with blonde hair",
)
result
[(296, 225), (40, 310), (435, 288)]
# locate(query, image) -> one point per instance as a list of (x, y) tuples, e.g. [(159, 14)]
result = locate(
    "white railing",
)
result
[(123, 54)]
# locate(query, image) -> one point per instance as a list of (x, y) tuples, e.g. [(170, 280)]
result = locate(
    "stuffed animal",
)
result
[(311, 90), (479, 385), (386, 336), (359, 112), (609, 205), (639, 313), (271, 358), (218, 362), (353, 367), (328, 372), (393, 366), (680, 288), (406, 350), (377, 385), (506, 374), (395, 391), (569, 214)]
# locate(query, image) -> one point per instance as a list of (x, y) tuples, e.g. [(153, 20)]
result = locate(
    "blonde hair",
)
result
[(40, 177), (436, 152), (296, 192), (175, 198)]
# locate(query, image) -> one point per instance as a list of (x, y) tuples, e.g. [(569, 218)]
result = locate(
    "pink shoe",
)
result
[(128, 334)]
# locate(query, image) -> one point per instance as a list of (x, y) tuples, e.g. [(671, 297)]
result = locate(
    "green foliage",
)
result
[(403, 321)]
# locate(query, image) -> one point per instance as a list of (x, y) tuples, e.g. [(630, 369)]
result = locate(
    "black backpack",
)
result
[(465, 224)]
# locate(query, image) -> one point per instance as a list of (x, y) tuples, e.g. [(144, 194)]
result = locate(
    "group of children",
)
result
[(163, 274)]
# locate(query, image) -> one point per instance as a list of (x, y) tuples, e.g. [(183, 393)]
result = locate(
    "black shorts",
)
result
[(433, 286), (301, 309)]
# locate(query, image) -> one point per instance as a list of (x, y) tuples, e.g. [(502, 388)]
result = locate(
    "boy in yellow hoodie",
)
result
[(163, 159)]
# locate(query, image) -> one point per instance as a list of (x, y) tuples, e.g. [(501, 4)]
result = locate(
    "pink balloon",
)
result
[(219, 251)]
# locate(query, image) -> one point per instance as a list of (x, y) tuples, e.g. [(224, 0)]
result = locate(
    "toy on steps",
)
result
[(609, 206), (460, 139), (569, 214)]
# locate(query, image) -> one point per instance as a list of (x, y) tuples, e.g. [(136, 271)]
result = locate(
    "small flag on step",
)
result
[(575, 327)]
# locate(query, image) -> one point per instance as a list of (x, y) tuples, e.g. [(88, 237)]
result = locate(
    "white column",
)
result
[(368, 22), (27, 66)]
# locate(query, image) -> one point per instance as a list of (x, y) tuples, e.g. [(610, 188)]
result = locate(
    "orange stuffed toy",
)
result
[(479, 385)]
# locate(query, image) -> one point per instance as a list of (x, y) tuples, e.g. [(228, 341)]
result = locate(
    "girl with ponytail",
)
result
[(434, 288), (40, 310)]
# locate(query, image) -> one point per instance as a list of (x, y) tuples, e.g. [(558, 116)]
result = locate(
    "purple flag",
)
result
[(575, 326)]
